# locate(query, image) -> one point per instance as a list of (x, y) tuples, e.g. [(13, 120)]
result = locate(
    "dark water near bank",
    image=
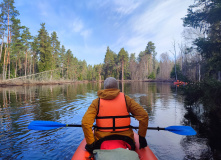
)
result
[(67, 104)]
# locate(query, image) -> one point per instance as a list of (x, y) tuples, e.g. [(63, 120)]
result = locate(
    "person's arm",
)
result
[(139, 113), (88, 120)]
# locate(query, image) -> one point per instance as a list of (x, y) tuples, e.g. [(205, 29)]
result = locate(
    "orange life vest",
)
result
[(113, 115)]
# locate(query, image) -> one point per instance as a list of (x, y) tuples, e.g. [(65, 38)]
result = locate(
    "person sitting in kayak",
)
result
[(111, 110)]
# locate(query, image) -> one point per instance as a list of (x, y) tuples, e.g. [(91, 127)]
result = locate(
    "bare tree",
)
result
[(174, 53), (165, 66)]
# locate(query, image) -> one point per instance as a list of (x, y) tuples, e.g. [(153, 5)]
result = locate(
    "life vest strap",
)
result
[(113, 127), (107, 117)]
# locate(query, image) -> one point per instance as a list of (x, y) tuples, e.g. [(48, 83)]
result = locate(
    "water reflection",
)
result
[(21, 105), (68, 103), (206, 121)]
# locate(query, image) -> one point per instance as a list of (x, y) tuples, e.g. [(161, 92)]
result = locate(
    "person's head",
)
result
[(110, 82)]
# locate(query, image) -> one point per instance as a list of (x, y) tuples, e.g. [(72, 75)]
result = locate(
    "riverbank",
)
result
[(8, 83)]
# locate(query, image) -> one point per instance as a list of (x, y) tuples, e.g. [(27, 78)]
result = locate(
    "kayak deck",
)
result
[(144, 153)]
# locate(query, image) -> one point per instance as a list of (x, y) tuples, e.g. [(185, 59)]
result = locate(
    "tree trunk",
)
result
[(122, 71), (16, 65), (67, 68), (199, 68), (62, 72), (8, 61), (4, 64), (30, 66), (2, 45), (6, 69), (175, 58), (33, 67), (19, 62), (28, 62), (51, 76), (23, 69), (9, 65), (25, 62), (99, 77)]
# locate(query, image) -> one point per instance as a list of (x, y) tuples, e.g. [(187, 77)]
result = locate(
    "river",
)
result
[(67, 104)]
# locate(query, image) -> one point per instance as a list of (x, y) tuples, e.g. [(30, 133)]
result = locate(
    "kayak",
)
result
[(144, 153), (179, 83)]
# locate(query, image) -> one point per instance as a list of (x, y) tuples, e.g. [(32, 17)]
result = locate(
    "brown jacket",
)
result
[(133, 107)]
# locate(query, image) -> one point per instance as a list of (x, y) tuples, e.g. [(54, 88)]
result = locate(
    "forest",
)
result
[(196, 58)]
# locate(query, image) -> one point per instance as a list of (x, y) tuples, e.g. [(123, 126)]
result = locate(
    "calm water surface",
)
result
[(67, 104)]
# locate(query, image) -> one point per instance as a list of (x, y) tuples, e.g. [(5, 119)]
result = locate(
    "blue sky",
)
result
[(88, 27)]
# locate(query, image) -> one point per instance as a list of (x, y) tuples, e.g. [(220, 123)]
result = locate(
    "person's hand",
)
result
[(142, 141), (90, 147)]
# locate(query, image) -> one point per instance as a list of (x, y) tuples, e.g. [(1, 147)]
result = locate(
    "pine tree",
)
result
[(2, 31), (109, 63), (68, 59), (62, 59), (98, 71), (7, 12), (26, 37), (17, 44), (83, 65), (123, 59), (34, 50), (89, 72), (55, 44), (44, 50), (150, 51)]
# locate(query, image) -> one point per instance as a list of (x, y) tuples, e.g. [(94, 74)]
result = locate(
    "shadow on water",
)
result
[(204, 115), (207, 124)]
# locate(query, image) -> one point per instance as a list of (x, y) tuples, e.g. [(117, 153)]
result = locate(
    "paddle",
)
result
[(48, 125)]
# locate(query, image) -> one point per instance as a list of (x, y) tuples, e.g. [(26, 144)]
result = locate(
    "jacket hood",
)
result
[(108, 93)]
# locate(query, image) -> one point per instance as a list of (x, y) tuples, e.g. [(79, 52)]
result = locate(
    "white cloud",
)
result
[(86, 33), (153, 18), (125, 7), (44, 8), (160, 23), (136, 44), (77, 25), (157, 21)]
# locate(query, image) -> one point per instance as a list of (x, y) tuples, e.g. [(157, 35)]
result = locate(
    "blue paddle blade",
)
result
[(45, 125), (181, 130)]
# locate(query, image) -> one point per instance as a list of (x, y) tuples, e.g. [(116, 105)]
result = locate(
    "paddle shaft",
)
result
[(78, 125), (153, 128), (73, 125)]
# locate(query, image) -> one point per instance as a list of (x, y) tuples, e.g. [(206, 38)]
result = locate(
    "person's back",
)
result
[(111, 111)]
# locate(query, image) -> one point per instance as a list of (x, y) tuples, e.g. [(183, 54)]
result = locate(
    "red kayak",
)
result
[(144, 154), (179, 83)]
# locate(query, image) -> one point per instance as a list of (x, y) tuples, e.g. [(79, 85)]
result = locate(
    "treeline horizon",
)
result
[(23, 54)]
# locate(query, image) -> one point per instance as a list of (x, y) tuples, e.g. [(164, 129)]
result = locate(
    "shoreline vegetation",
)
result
[(10, 83)]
